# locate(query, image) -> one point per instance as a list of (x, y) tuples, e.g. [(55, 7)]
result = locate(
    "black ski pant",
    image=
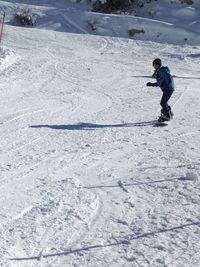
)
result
[(165, 107)]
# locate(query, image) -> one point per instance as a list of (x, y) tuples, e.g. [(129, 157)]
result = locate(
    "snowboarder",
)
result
[(165, 81)]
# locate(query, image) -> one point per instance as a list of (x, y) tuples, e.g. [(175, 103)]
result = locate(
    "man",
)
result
[(166, 83)]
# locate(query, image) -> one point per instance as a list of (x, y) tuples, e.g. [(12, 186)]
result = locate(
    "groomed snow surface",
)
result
[(87, 178)]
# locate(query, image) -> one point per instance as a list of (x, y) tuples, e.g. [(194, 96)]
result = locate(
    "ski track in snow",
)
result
[(86, 178)]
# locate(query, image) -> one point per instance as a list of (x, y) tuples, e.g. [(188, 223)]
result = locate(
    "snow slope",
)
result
[(86, 177), (160, 21)]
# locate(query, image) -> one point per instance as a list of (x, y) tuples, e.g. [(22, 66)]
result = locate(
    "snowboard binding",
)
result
[(165, 118)]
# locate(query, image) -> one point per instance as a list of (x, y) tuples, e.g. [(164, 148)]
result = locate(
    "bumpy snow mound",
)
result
[(58, 215)]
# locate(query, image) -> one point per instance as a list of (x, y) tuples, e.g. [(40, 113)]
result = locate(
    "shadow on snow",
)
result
[(124, 240), (136, 183), (92, 126), (175, 76)]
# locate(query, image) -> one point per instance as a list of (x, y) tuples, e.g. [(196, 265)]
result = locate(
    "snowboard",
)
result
[(162, 121), (160, 124)]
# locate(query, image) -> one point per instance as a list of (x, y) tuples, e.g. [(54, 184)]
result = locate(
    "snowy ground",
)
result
[(86, 177)]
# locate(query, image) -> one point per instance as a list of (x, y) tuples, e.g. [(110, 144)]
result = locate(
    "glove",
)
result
[(149, 84)]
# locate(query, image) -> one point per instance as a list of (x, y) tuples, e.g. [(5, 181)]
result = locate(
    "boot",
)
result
[(165, 115)]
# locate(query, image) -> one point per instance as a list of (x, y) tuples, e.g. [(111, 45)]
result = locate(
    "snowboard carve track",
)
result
[(23, 115)]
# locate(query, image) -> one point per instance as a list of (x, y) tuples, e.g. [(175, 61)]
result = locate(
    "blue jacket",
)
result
[(164, 79)]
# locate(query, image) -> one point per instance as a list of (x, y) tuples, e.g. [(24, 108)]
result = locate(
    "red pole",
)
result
[(1, 31)]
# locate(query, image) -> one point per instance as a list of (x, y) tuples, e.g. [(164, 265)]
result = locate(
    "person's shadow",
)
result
[(92, 126)]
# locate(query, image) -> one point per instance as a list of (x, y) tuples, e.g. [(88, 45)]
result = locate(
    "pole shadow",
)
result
[(134, 184), (186, 77), (194, 55), (124, 240), (141, 76), (174, 76)]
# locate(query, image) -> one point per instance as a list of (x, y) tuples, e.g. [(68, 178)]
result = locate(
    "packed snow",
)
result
[(87, 177)]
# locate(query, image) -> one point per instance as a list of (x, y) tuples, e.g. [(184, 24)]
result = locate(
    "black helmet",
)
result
[(157, 61)]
